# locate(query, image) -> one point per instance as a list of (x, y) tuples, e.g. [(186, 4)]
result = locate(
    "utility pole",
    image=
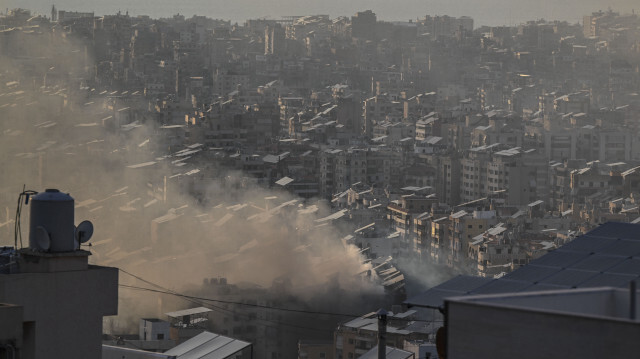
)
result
[(382, 333)]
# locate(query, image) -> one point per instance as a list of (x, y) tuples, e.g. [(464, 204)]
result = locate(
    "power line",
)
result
[(245, 304), (299, 311), (196, 298), (214, 307)]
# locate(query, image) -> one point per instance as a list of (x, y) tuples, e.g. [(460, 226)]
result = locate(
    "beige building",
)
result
[(315, 349)]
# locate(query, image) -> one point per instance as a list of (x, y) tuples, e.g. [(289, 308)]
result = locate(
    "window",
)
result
[(161, 336)]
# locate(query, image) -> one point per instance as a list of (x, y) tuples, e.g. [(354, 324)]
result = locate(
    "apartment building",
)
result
[(356, 337)]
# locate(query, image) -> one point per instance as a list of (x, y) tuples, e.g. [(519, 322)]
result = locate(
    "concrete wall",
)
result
[(153, 327), (483, 331), (63, 310), (608, 302), (10, 326)]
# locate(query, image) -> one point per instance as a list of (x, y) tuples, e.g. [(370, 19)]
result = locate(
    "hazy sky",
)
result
[(487, 12)]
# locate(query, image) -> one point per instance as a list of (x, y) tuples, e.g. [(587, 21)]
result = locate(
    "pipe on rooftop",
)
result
[(632, 300)]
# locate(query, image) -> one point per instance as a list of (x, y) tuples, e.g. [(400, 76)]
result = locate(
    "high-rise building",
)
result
[(363, 25), (274, 40)]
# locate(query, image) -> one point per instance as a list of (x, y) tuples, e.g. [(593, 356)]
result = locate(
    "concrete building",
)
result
[(445, 25), (204, 345), (546, 300), (463, 227), (154, 329), (154, 336), (315, 349), (543, 324), (523, 174), (359, 336), (363, 25), (578, 102), (61, 298), (274, 40)]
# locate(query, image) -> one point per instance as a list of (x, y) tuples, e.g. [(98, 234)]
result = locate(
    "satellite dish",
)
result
[(42, 239), (84, 231)]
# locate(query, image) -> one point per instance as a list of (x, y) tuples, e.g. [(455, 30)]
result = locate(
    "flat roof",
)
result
[(192, 311)]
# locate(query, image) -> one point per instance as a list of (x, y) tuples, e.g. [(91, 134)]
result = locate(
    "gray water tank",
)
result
[(54, 211)]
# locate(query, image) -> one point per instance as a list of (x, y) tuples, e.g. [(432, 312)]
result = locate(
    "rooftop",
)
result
[(607, 256), (602, 302)]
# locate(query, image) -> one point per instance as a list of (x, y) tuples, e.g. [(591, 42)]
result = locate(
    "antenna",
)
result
[(17, 223), (84, 231), (43, 241)]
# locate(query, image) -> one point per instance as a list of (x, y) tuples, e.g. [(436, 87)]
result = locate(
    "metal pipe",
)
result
[(632, 300)]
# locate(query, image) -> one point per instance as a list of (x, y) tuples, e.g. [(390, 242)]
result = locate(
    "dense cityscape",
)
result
[(275, 183)]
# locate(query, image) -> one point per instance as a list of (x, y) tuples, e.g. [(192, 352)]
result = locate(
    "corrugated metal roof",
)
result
[(496, 230), (402, 315), (533, 204), (391, 353), (226, 351), (365, 227), (192, 311), (121, 352), (459, 214), (199, 345), (360, 322), (208, 345), (271, 159), (393, 280), (284, 181)]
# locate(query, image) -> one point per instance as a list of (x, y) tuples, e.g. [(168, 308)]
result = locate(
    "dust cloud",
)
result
[(58, 133)]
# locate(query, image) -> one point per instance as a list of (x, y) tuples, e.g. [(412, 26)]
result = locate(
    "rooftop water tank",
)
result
[(53, 211)]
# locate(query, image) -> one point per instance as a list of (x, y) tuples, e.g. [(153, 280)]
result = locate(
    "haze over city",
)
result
[(319, 180), (490, 12)]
